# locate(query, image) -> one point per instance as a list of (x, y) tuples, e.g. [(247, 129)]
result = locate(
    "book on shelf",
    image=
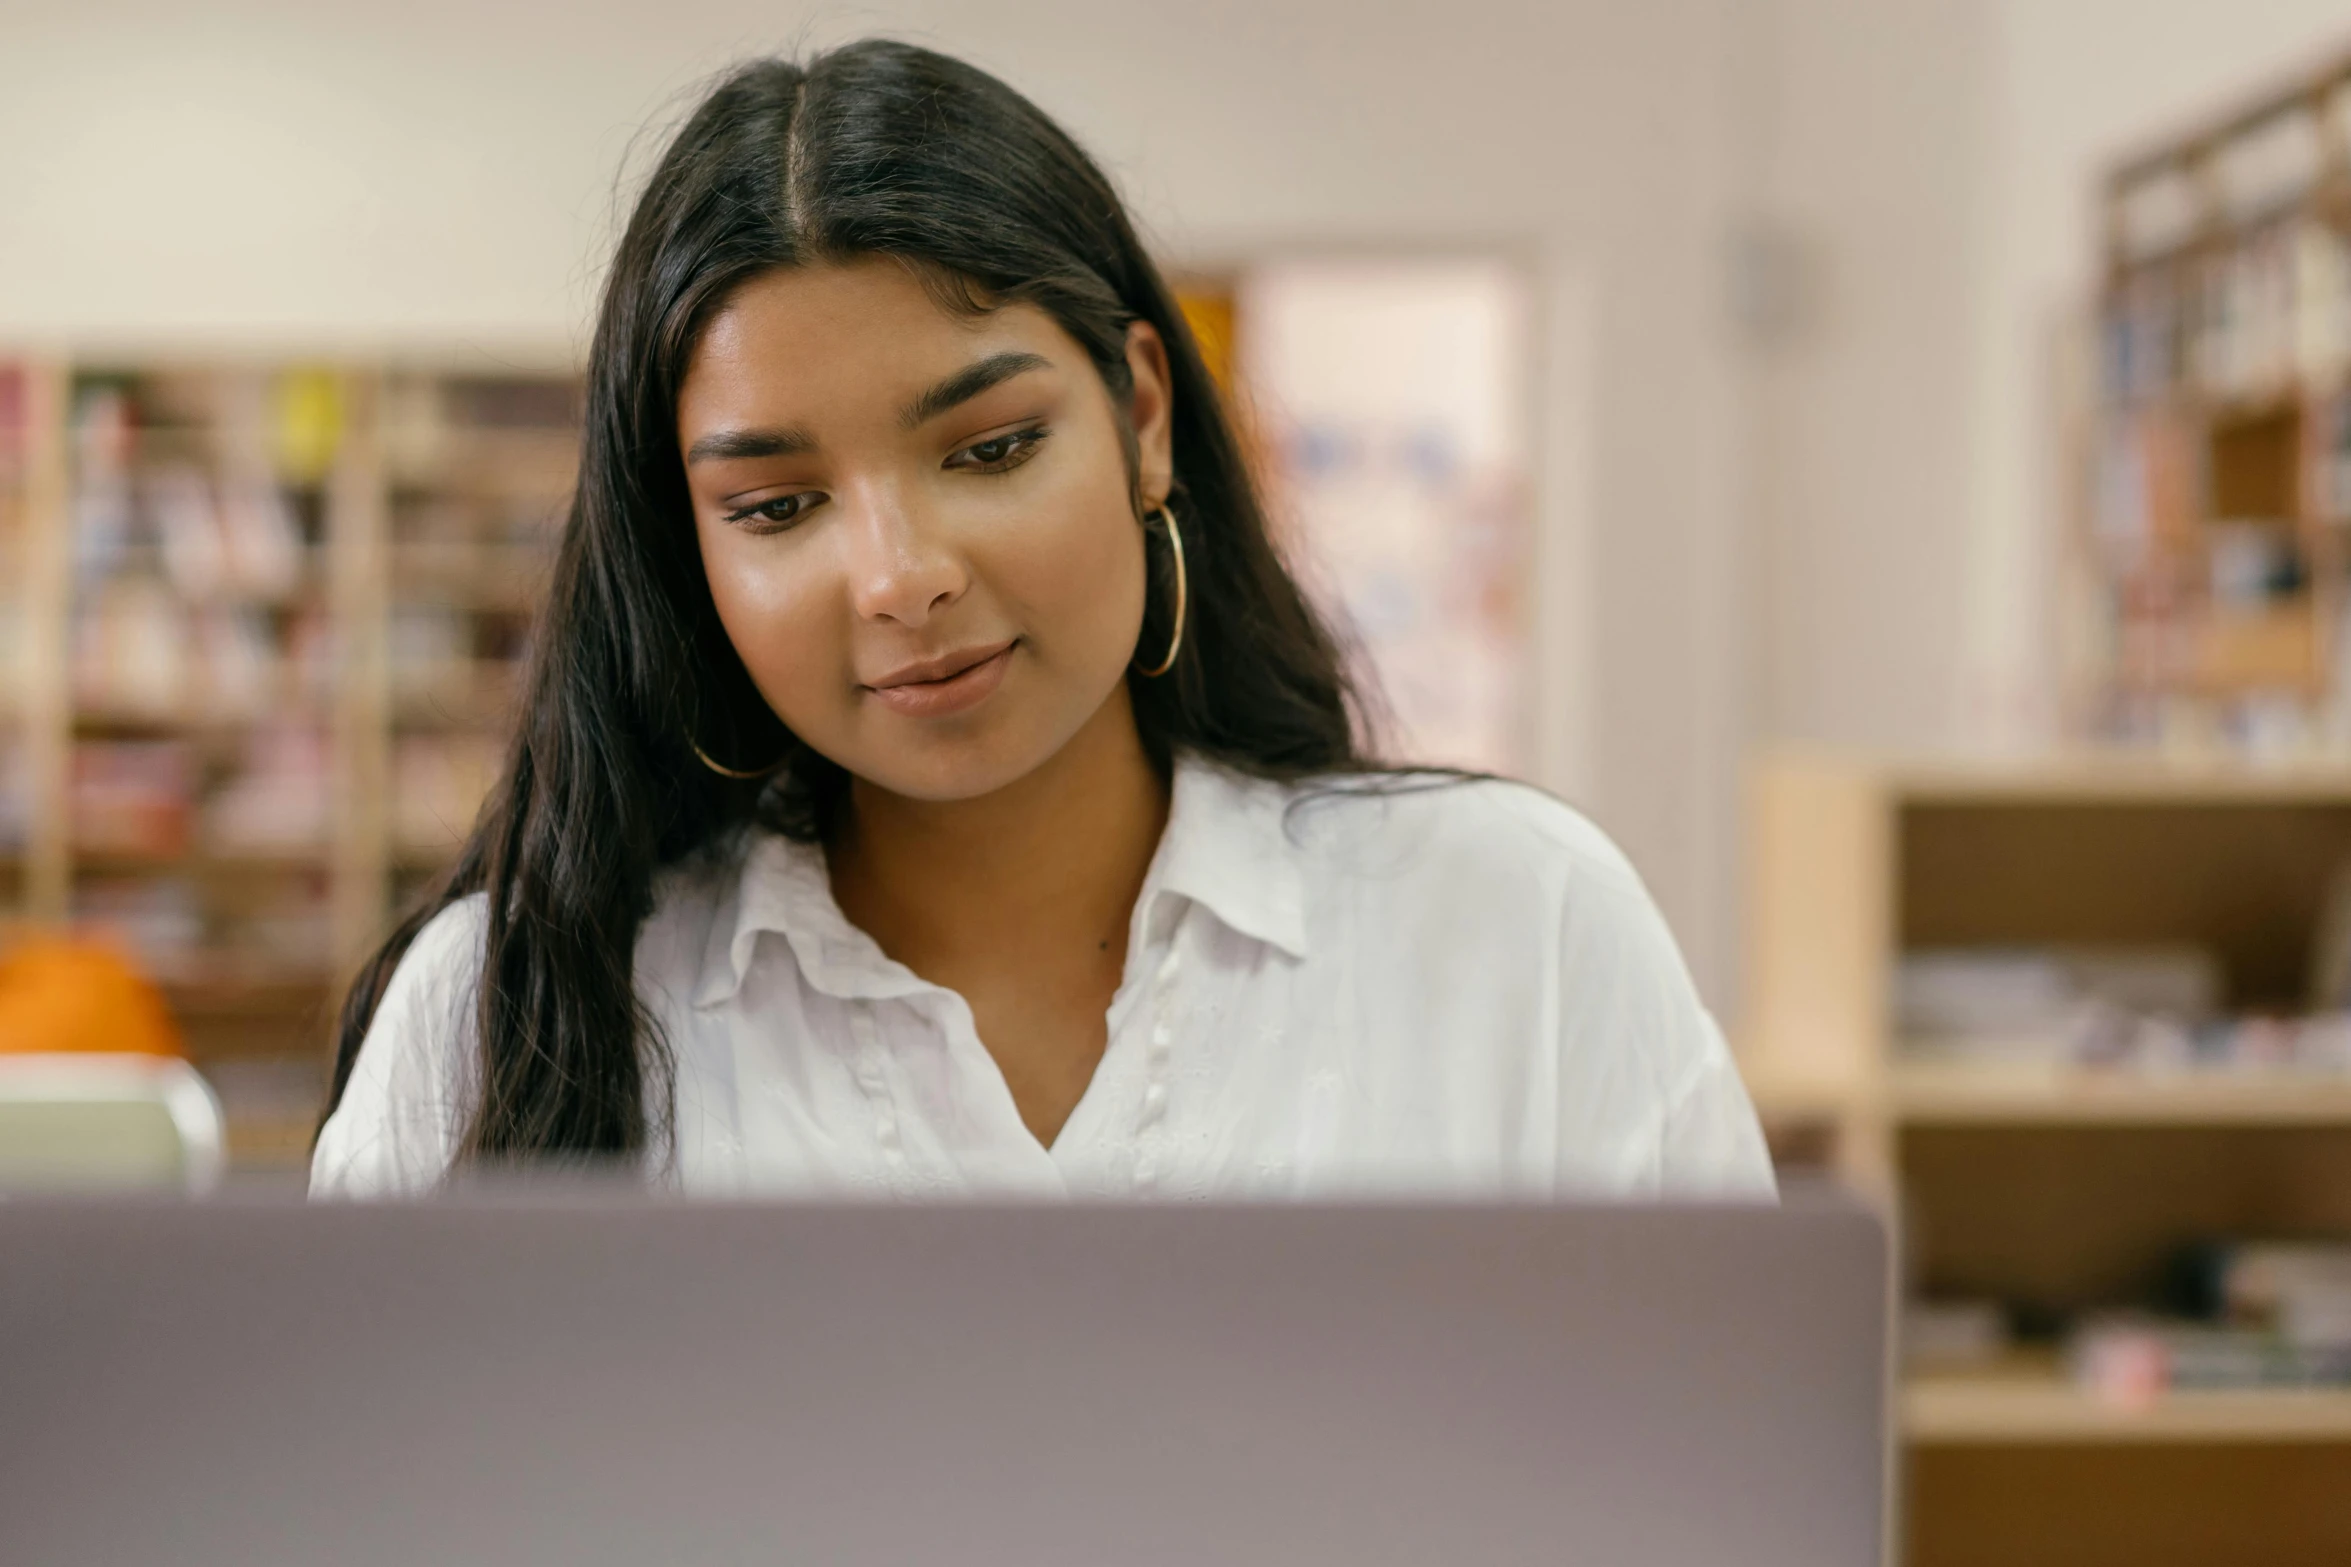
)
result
[(2152, 1012), (276, 801), (179, 935), (2237, 1315), (133, 798), (2242, 1315)]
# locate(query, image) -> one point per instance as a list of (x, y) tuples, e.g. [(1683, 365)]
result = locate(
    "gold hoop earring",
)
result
[(725, 771), (1175, 643)]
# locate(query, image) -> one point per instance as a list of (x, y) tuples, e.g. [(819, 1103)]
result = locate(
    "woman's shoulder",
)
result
[(432, 987), (397, 1123), (406, 1099), (447, 949), (1491, 833)]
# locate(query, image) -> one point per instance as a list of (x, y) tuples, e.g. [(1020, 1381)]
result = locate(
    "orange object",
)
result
[(59, 995)]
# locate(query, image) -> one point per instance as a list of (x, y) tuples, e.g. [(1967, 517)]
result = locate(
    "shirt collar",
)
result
[(1226, 847)]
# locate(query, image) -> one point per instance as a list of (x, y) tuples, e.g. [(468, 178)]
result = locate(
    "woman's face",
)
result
[(918, 526)]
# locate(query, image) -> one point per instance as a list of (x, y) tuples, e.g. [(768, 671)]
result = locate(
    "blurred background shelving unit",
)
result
[(2083, 1022), (14, 783), (2217, 479), (478, 472), (33, 572), (271, 617), (2060, 1180)]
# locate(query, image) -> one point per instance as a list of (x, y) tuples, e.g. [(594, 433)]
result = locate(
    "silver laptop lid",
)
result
[(588, 1381)]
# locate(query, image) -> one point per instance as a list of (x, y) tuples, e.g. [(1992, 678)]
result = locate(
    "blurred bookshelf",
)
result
[(479, 471), (1940, 975), (2082, 1023), (268, 626), (15, 804), (2217, 443)]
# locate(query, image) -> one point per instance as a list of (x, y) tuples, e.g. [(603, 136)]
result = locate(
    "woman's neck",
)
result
[(1043, 871)]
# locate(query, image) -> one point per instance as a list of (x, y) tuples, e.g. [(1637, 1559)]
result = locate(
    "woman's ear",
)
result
[(1151, 410)]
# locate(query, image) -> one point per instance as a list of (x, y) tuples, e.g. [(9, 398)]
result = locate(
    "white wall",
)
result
[(1863, 153), (321, 175)]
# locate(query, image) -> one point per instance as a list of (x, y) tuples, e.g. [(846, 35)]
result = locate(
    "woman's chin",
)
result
[(945, 771)]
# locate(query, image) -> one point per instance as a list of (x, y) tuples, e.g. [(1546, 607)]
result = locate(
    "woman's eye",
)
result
[(777, 514), (999, 452)]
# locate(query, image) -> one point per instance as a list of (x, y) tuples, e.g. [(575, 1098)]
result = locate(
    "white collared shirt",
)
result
[(1461, 990)]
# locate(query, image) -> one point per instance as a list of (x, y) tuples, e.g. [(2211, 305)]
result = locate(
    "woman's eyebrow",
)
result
[(967, 383), (726, 445)]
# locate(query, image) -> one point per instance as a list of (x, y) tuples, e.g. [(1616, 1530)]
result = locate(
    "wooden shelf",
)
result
[(519, 465), (505, 577), (100, 723), (1937, 1095), (145, 563), (241, 992), (2097, 777), (199, 861), (426, 856), (2029, 1403), (234, 1014), (2061, 1096), (483, 696)]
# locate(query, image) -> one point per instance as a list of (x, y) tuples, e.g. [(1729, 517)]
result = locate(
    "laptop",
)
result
[(514, 1380)]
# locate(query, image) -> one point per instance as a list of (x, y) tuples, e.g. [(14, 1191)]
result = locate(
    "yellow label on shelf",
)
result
[(309, 424)]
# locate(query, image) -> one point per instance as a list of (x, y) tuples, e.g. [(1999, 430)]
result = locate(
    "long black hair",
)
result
[(875, 149)]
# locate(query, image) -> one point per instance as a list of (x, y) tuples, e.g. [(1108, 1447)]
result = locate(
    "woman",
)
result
[(931, 781)]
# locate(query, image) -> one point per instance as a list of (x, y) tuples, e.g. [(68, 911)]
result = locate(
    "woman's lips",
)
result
[(955, 693)]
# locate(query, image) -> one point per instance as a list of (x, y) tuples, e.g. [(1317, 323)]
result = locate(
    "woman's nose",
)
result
[(900, 568)]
